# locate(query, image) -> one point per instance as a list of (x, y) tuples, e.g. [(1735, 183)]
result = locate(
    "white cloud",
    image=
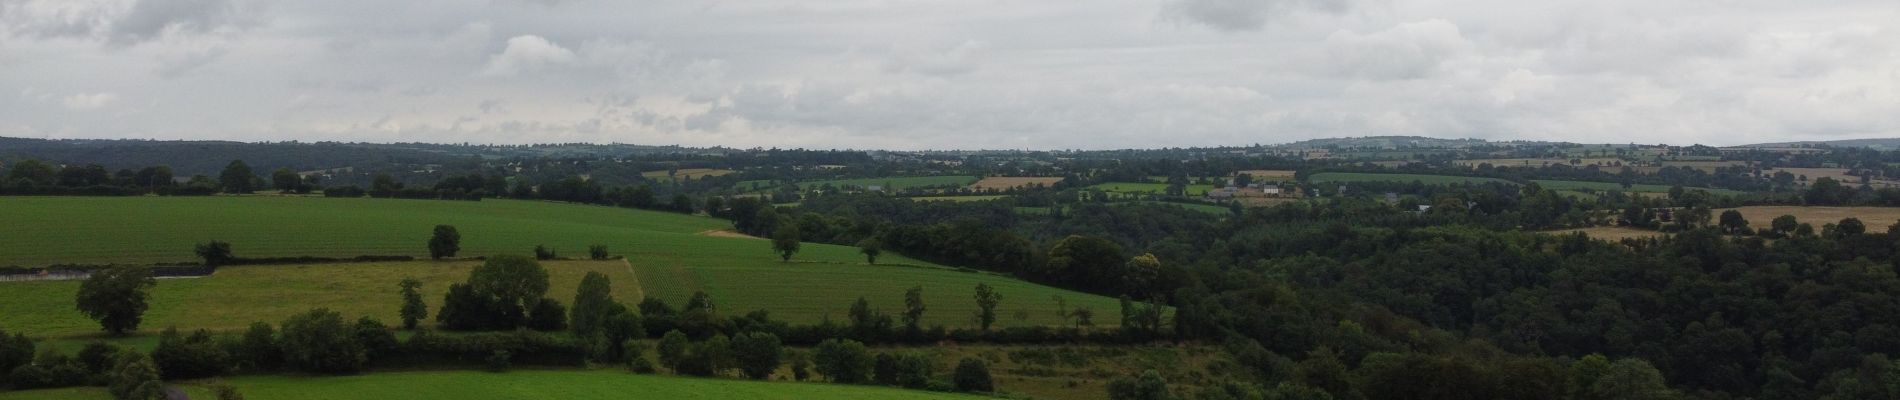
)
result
[(88, 101), (526, 53), (1245, 15)]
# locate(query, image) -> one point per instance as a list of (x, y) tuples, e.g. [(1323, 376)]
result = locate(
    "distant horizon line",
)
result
[(727, 147)]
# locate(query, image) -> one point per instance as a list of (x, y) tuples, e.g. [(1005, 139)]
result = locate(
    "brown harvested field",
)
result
[(1007, 182), (1876, 218), (689, 173), (1611, 233), (1268, 174), (1538, 162)]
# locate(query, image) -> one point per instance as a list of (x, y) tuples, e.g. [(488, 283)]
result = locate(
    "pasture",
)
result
[(524, 384), (1349, 177), (99, 230), (1130, 188), (810, 292), (1010, 182), (1876, 218)]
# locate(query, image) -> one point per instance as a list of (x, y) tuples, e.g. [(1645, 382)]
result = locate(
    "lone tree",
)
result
[(1732, 222), (597, 252), (116, 297), (986, 300), (843, 361), (413, 309), (757, 353), (973, 375), (215, 253), (785, 242), (285, 180), (445, 242), (236, 178), (914, 308), (871, 249)]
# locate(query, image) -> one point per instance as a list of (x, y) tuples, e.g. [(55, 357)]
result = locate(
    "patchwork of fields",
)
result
[(669, 259)]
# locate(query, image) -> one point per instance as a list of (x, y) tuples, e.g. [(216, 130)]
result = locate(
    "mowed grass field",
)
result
[(1148, 188), (671, 256), (235, 297), (1349, 177), (98, 230), (526, 384), (810, 292)]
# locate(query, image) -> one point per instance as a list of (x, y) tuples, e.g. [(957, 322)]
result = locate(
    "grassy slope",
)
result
[(161, 229), (817, 285), (1427, 179), (742, 274), (468, 385), (237, 296)]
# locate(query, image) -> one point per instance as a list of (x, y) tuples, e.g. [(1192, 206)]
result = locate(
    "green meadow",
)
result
[(96, 230), (1148, 188)]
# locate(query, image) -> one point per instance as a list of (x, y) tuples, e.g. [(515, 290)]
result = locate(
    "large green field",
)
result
[(891, 183), (1148, 188), (529, 384), (669, 258), (1612, 186), (1349, 177), (55, 230)]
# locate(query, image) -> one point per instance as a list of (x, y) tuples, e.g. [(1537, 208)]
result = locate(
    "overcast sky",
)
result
[(1043, 74)]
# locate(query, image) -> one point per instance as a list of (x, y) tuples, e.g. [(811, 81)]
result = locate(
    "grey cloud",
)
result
[(1245, 15), (151, 19)]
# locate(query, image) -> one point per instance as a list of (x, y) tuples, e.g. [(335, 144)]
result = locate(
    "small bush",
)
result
[(597, 252)]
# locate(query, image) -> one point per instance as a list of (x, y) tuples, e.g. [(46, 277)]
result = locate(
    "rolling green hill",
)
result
[(669, 259)]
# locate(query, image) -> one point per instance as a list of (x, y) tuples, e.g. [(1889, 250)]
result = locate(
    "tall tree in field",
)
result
[(871, 249), (986, 301), (758, 354), (515, 283), (785, 242), (236, 177), (445, 242), (1733, 222), (215, 253), (413, 309), (593, 305), (285, 180), (914, 308), (116, 297)]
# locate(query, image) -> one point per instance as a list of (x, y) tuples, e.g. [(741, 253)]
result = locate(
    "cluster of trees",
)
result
[(34, 177)]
